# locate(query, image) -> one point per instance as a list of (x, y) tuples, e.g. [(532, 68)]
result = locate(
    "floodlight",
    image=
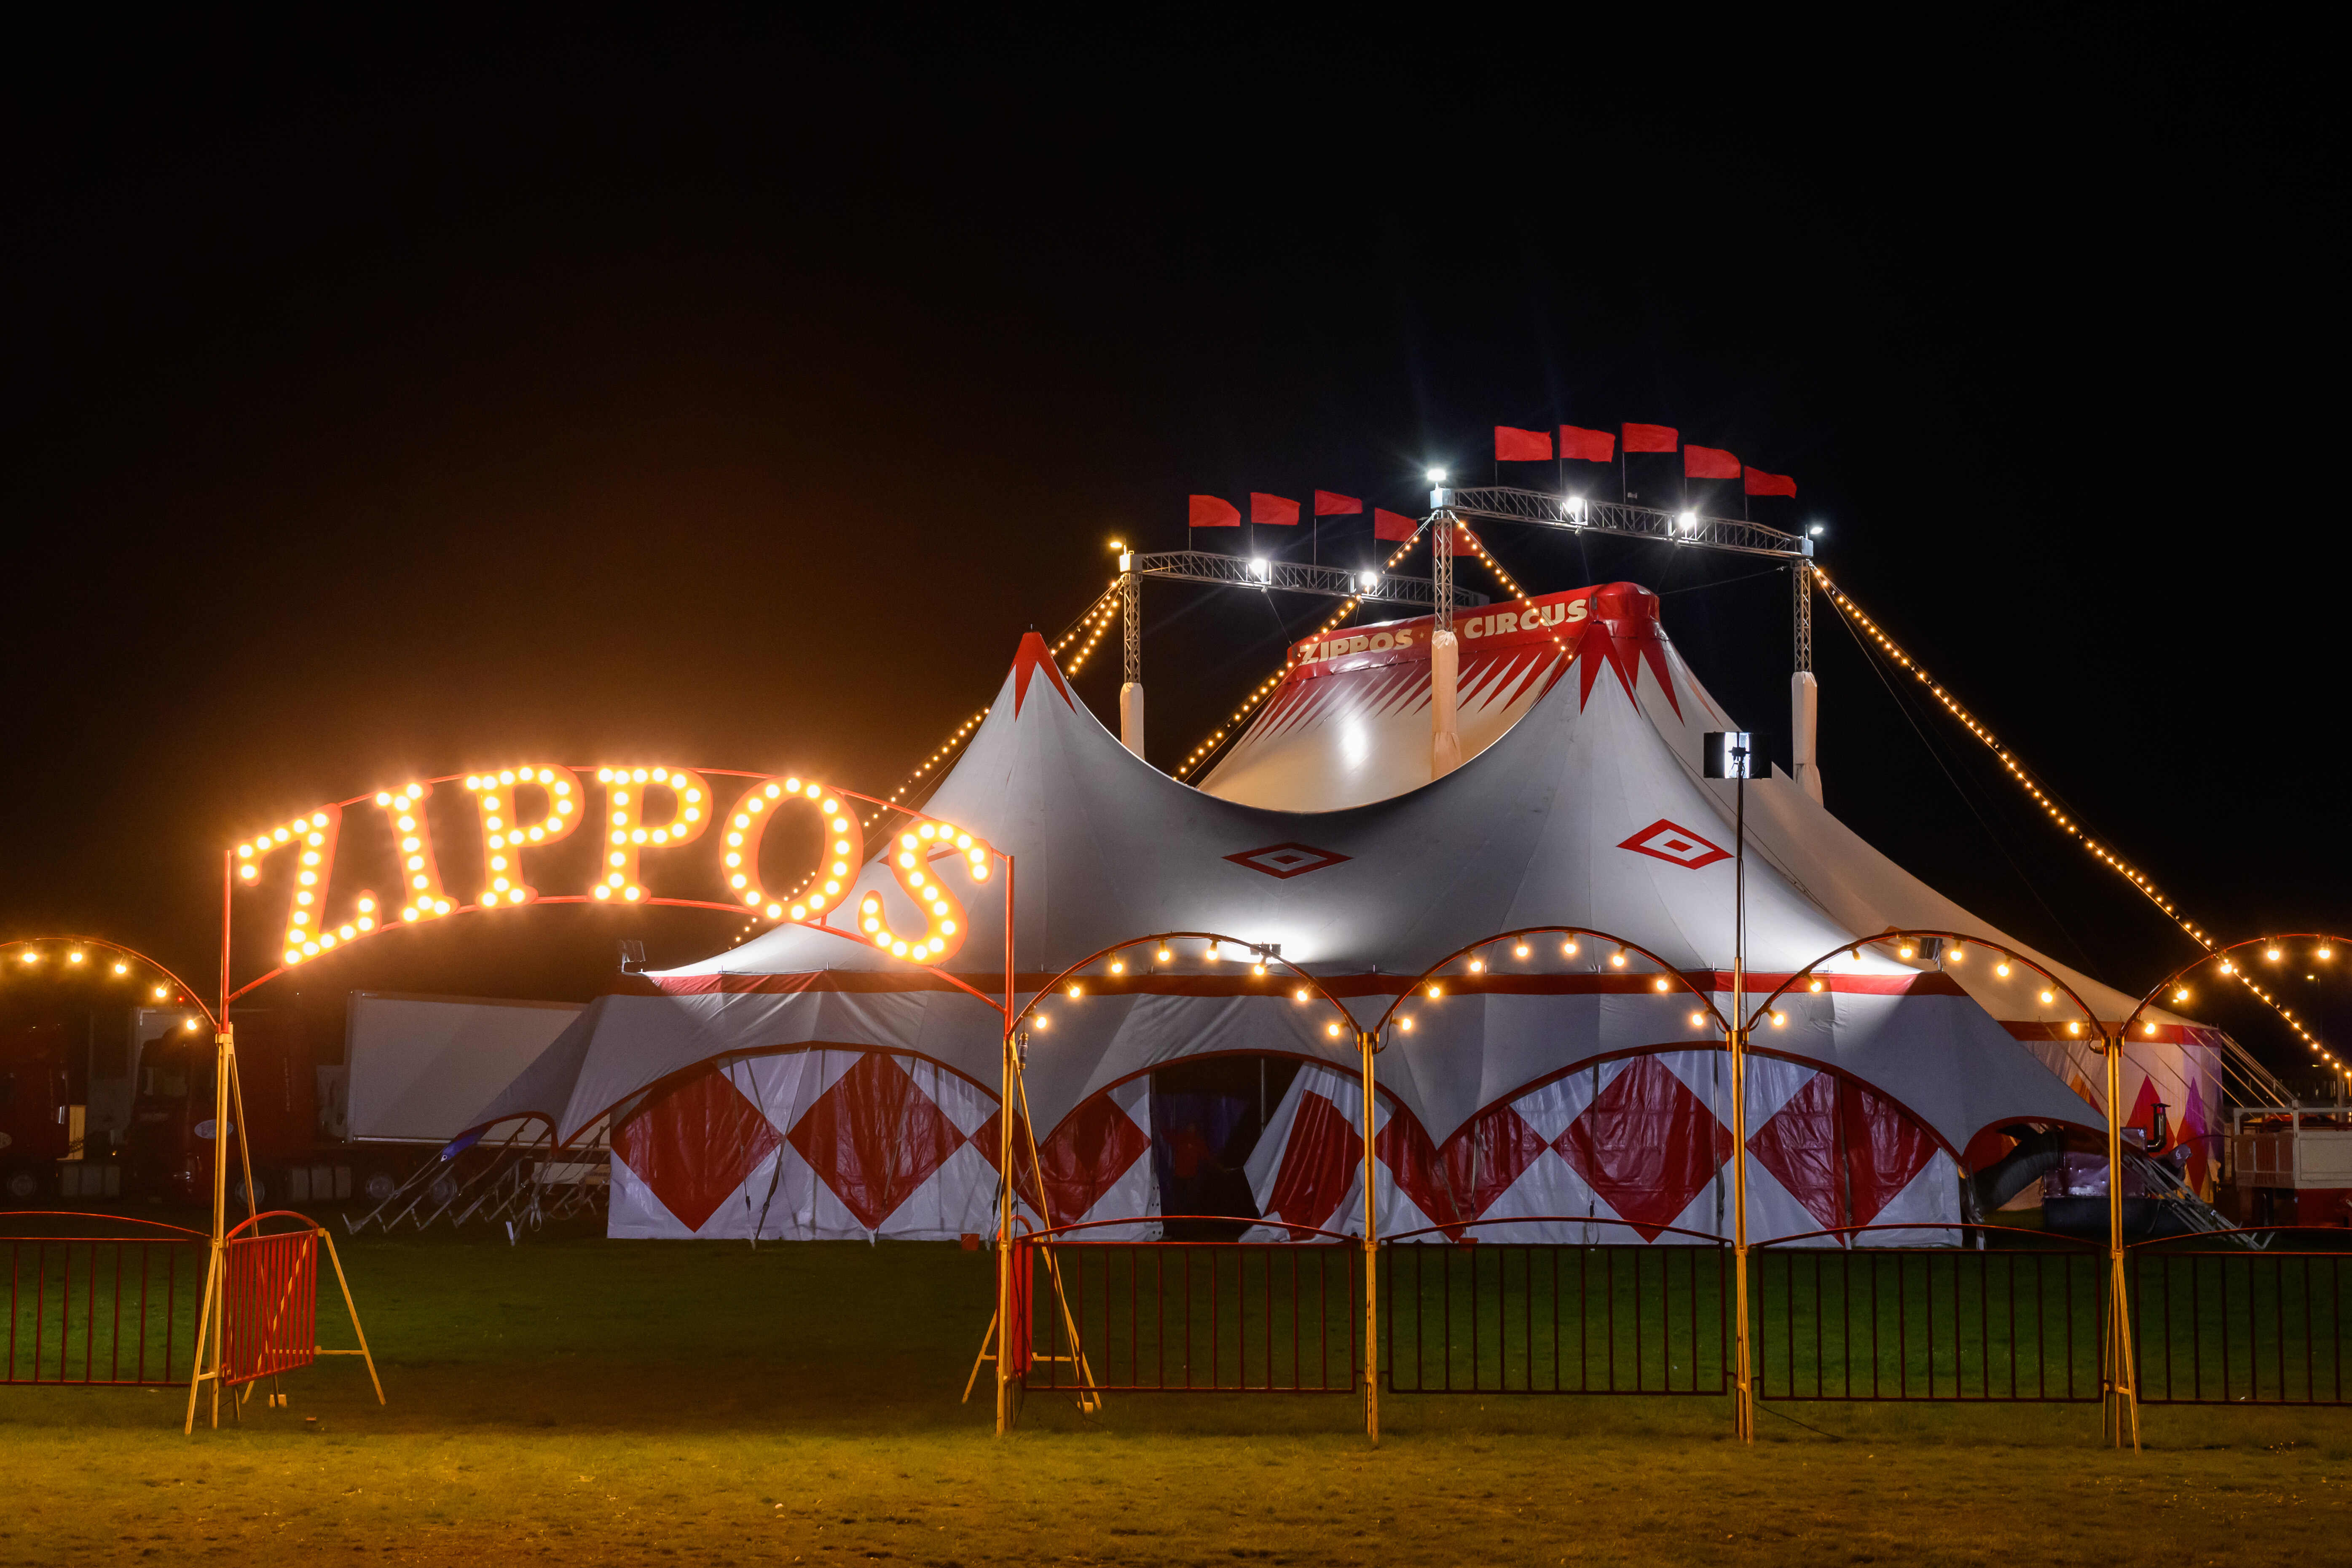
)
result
[(1260, 569), (1437, 476), (1815, 531), (1367, 581)]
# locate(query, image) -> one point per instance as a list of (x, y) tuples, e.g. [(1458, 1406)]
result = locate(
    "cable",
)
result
[(1894, 696)]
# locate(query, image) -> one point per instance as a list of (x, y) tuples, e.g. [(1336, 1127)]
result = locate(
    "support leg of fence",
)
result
[(352, 1308), (1090, 1403), (987, 1344), (2121, 1394), (204, 1333)]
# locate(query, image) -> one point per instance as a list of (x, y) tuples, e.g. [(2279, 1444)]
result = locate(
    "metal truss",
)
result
[(1579, 514), (1292, 578)]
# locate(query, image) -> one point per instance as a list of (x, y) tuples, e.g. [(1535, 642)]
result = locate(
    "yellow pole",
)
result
[(1004, 1240), (209, 1324), (1743, 1385), (1371, 1260), (2122, 1396)]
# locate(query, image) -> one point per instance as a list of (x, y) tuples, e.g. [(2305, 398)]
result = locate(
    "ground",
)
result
[(578, 1400)]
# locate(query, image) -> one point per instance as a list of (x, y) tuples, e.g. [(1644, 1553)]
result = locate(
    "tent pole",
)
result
[(2122, 1397), (1005, 1175), (1743, 1389), (1445, 653), (1371, 1260), (1130, 691)]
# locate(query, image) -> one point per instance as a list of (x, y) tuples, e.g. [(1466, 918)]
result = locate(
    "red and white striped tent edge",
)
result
[(1583, 807)]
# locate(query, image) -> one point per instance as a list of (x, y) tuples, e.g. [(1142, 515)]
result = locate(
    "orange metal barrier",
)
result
[(272, 1296)]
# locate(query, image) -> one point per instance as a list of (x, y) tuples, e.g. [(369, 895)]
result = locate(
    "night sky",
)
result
[(380, 404)]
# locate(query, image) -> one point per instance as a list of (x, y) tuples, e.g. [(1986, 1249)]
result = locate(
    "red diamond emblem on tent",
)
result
[(1082, 1160), (1646, 1145), (1286, 860), (1800, 1147), (1484, 1157), (873, 1137), (1677, 845), (693, 1142)]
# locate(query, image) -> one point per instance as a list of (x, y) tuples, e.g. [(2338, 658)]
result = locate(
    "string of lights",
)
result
[(2286, 1014), (71, 957), (2024, 776), (1511, 586), (2046, 798), (1265, 688)]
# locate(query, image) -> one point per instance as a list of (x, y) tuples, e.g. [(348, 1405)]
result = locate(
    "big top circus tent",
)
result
[(805, 1085)]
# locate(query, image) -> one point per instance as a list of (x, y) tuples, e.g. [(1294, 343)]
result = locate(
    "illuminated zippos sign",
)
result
[(532, 805)]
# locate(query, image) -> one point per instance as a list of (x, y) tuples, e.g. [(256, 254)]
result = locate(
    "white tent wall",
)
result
[(1633, 1149), (846, 1144)]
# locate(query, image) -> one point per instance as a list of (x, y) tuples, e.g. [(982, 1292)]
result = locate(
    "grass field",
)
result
[(585, 1401)]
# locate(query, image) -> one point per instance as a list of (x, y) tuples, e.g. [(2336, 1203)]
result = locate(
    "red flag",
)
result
[(1388, 525), (1273, 509), (1709, 463), (1208, 511), (1328, 503), (1652, 439), (1761, 483), (1587, 446), (1521, 445)]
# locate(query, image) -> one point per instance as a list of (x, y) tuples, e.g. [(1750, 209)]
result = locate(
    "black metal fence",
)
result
[(1548, 1318), (1193, 1316), (2017, 1316), (2017, 1320), (2216, 1320)]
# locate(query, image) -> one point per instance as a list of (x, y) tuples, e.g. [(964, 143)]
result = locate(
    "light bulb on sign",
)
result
[(506, 824), (314, 838), (626, 799)]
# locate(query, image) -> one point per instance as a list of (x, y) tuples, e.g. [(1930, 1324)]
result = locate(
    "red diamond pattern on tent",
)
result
[(873, 1137), (1284, 861), (1082, 1160), (1402, 1145), (1318, 1162), (1484, 1157), (1675, 845), (1884, 1148), (693, 1142), (1646, 1146), (1799, 1146)]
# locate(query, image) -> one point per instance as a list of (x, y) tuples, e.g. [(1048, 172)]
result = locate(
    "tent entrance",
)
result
[(1207, 1115)]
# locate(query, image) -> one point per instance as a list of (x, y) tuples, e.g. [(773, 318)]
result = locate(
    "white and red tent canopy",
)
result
[(1586, 810)]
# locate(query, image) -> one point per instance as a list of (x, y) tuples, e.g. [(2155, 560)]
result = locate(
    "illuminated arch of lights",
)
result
[(111, 960)]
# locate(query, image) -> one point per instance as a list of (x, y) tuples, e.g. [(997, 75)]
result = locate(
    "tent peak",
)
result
[(1033, 656)]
